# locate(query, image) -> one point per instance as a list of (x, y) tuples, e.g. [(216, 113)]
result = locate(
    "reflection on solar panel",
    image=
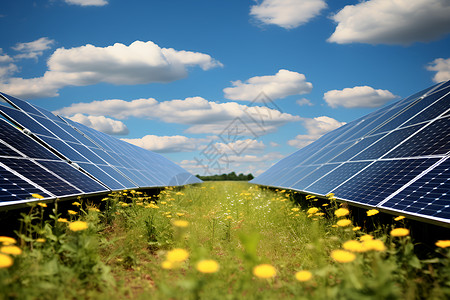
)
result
[(44, 154), (396, 158)]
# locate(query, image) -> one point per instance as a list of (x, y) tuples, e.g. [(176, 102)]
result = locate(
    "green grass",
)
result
[(122, 252)]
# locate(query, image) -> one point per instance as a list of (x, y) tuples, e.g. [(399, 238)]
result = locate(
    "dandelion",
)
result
[(375, 245), (40, 240), (124, 204), (76, 203), (356, 228), (320, 214), (399, 218), (325, 204), (443, 243), (180, 214), (354, 246), (163, 202), (366, 237), (399, 232), (72, 212), (264, 271), (329, 195), (312, 210), (343, 222), (167, 265), (303, 276), (37, 196), (341, 212), (13, 250), (295, 209), (63, 220), (372, 212), (207, 266), (180, 223), (228, 218), (6, 240), (42, 204), (78, 226), (94, 209), (177, 255), (343, 256), (5, 261)]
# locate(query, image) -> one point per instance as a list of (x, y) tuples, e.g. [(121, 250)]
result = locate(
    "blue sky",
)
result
[(180, 77)]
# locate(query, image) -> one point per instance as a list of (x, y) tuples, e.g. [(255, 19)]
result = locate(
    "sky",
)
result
[(221, 86)]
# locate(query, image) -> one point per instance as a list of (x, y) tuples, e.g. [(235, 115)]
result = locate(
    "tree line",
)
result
[(230, 176)]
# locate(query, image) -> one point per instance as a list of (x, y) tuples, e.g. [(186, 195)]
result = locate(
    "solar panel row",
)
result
[(396, 158), (55, 157)]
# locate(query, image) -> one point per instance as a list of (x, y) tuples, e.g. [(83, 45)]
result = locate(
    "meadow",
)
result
[(216, 240)]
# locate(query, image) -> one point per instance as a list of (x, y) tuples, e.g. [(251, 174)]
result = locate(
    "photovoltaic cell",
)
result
[(14, 188)]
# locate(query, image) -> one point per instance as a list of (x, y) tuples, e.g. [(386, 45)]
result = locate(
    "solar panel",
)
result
[(396, 158)]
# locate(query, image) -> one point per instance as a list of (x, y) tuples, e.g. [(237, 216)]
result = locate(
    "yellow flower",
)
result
[(366, 237), (312, 210), (177, 255), (356, 228), (354, 246), (124, 204), (375, 245), (400, 232), (167, 265), (399, 218), (163, 202), (372, 212), (343, 222), (207, 266), (295, 209), (78, 226), (5, 261), (13, 250), (37, 196), (443, 243), (180, 214), (303, 276), (320, 214), (40, 240), (6, 240), (94, 209), (329, 195), (341, 212), (42, 204), (76, 203), (343, 256), (180, 223), (71, 212), (325, 204), (228, 218), (63, 220), (264, 271)]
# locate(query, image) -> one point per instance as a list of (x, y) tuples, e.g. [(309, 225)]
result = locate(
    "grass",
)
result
[(142, 247)]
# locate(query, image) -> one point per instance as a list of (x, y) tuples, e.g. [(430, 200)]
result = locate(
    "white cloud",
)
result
[(273, 144), (5, 58), (392, 22), (202, 115), (102, 124), (358, 96), (138, 63), (87, 2), (303, 102), (33, 49), (287, 13), (442, 67), (255, 158), (316, 127), (166, 144), (280, 85), (7, 70), (241, 146)]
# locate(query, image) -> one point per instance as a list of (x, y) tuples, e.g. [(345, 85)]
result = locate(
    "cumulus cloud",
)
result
[(287, 13), (241, 146), (202, 115), (33, 49), (392, 22), (138, 63), (102, 124), (358, 96), (442, 67), (304, 102), (284, 83), (316, 127), (5, 58), (87, 2), (166, 144), (7, 70)]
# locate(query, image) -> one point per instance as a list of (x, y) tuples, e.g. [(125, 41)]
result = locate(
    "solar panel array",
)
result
[(396, 159), (52, 156)]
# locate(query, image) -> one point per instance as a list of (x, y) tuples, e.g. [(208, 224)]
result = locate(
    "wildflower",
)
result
[(375, 245), (343, 256), (356, 228), (303, 276), (295, 209), (366, 237), (343, 222), (229, 217), (13, 250), (163, 202), (341, 212), (443, 243), (325, 204), (179, 194), (372, 212), (399, 232), (151, 205), (329, 195), (168, 216), (180, 214), (37, 196), (94, 209), (177, 255), (63, 220), (40, 240), (312, 210), (207, 266), (6, 240), (76, 203), (72, 212), (5, 261), (180, 223), (167, 265), (354, 246), (124, 204), (264, 271), (399, 218), (42, 204), (78, 226)]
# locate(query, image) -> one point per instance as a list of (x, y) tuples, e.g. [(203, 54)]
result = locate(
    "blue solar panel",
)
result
[(102, 176), (313, 176)]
